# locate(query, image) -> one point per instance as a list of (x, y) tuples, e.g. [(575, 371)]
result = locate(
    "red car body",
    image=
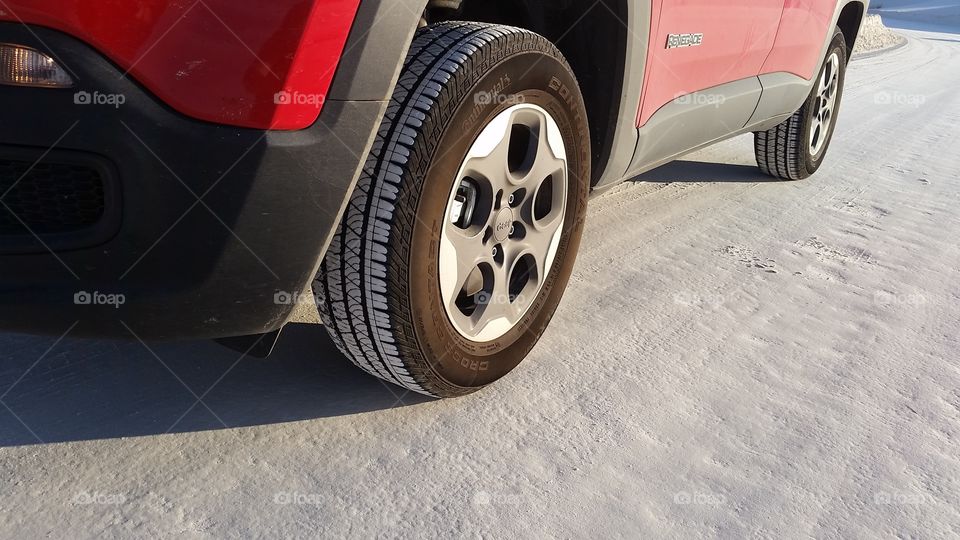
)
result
[(214, 60), (224, 62)]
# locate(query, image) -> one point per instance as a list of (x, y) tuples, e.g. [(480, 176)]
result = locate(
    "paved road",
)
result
[(738, 357)]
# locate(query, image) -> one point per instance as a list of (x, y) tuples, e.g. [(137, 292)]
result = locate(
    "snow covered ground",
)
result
[(740, 357)]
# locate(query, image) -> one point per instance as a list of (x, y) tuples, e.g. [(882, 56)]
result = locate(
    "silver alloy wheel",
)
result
[(503, 222), (824, 111)]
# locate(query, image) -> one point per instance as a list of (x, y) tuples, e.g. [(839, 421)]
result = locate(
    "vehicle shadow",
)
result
[(86, 390), (702, 171)]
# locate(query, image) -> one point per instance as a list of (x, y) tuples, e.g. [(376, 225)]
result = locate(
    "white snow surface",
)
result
[(734, 357)]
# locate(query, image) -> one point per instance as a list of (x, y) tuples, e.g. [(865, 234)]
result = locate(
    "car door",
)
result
[(701, 44), (805, 28)]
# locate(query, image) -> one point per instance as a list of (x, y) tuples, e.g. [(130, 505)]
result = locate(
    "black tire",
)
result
[(378, 287), (784, 151)]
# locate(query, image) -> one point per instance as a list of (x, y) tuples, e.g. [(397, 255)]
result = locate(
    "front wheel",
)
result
[(795, 149), (462, 232)]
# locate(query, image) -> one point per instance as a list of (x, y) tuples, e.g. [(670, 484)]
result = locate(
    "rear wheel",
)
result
[(795, 149), (462, 232)]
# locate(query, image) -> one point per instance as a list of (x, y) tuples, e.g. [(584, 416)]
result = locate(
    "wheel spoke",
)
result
[(824, 78), (540, 243), (538, 239), (460, 255), (497, 308), (492, 166)]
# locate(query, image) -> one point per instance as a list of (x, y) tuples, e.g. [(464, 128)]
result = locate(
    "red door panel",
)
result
[(803, 31), (737, 37)]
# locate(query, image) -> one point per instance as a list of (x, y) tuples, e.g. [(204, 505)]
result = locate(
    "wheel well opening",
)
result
[(849, 23), (591, 34)]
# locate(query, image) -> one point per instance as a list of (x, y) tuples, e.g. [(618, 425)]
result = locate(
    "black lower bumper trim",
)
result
[(220, 225)]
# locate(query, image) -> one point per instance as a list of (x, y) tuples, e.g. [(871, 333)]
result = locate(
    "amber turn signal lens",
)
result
[(23, 66)]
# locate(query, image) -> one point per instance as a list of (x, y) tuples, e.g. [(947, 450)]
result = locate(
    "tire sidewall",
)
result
[(530, 77)]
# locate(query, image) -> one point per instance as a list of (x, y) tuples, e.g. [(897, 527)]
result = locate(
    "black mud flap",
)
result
[(257, 345)]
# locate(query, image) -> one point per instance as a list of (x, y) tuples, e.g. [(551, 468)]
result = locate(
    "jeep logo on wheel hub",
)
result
[(501, 230)]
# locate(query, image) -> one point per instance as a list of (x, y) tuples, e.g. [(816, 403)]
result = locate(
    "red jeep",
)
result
[(174, 170)]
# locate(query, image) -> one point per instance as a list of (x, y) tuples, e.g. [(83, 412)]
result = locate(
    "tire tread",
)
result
[(360, 293)]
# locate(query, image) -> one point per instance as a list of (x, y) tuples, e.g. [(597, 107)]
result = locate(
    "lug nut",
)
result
[(494, 251), (510, 199)]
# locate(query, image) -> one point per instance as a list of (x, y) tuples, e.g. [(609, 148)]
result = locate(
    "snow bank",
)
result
[(874, 35)]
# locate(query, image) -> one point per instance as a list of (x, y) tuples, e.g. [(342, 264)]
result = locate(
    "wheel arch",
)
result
[(593, 36), (849, 22)]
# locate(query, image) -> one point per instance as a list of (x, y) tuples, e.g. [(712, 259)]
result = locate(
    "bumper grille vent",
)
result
[(49, 198)]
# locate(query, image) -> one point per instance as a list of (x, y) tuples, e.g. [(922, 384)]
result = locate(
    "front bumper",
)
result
[(214, 229)]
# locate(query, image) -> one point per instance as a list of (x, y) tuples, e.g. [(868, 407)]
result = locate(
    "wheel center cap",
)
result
[(502, 224)]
